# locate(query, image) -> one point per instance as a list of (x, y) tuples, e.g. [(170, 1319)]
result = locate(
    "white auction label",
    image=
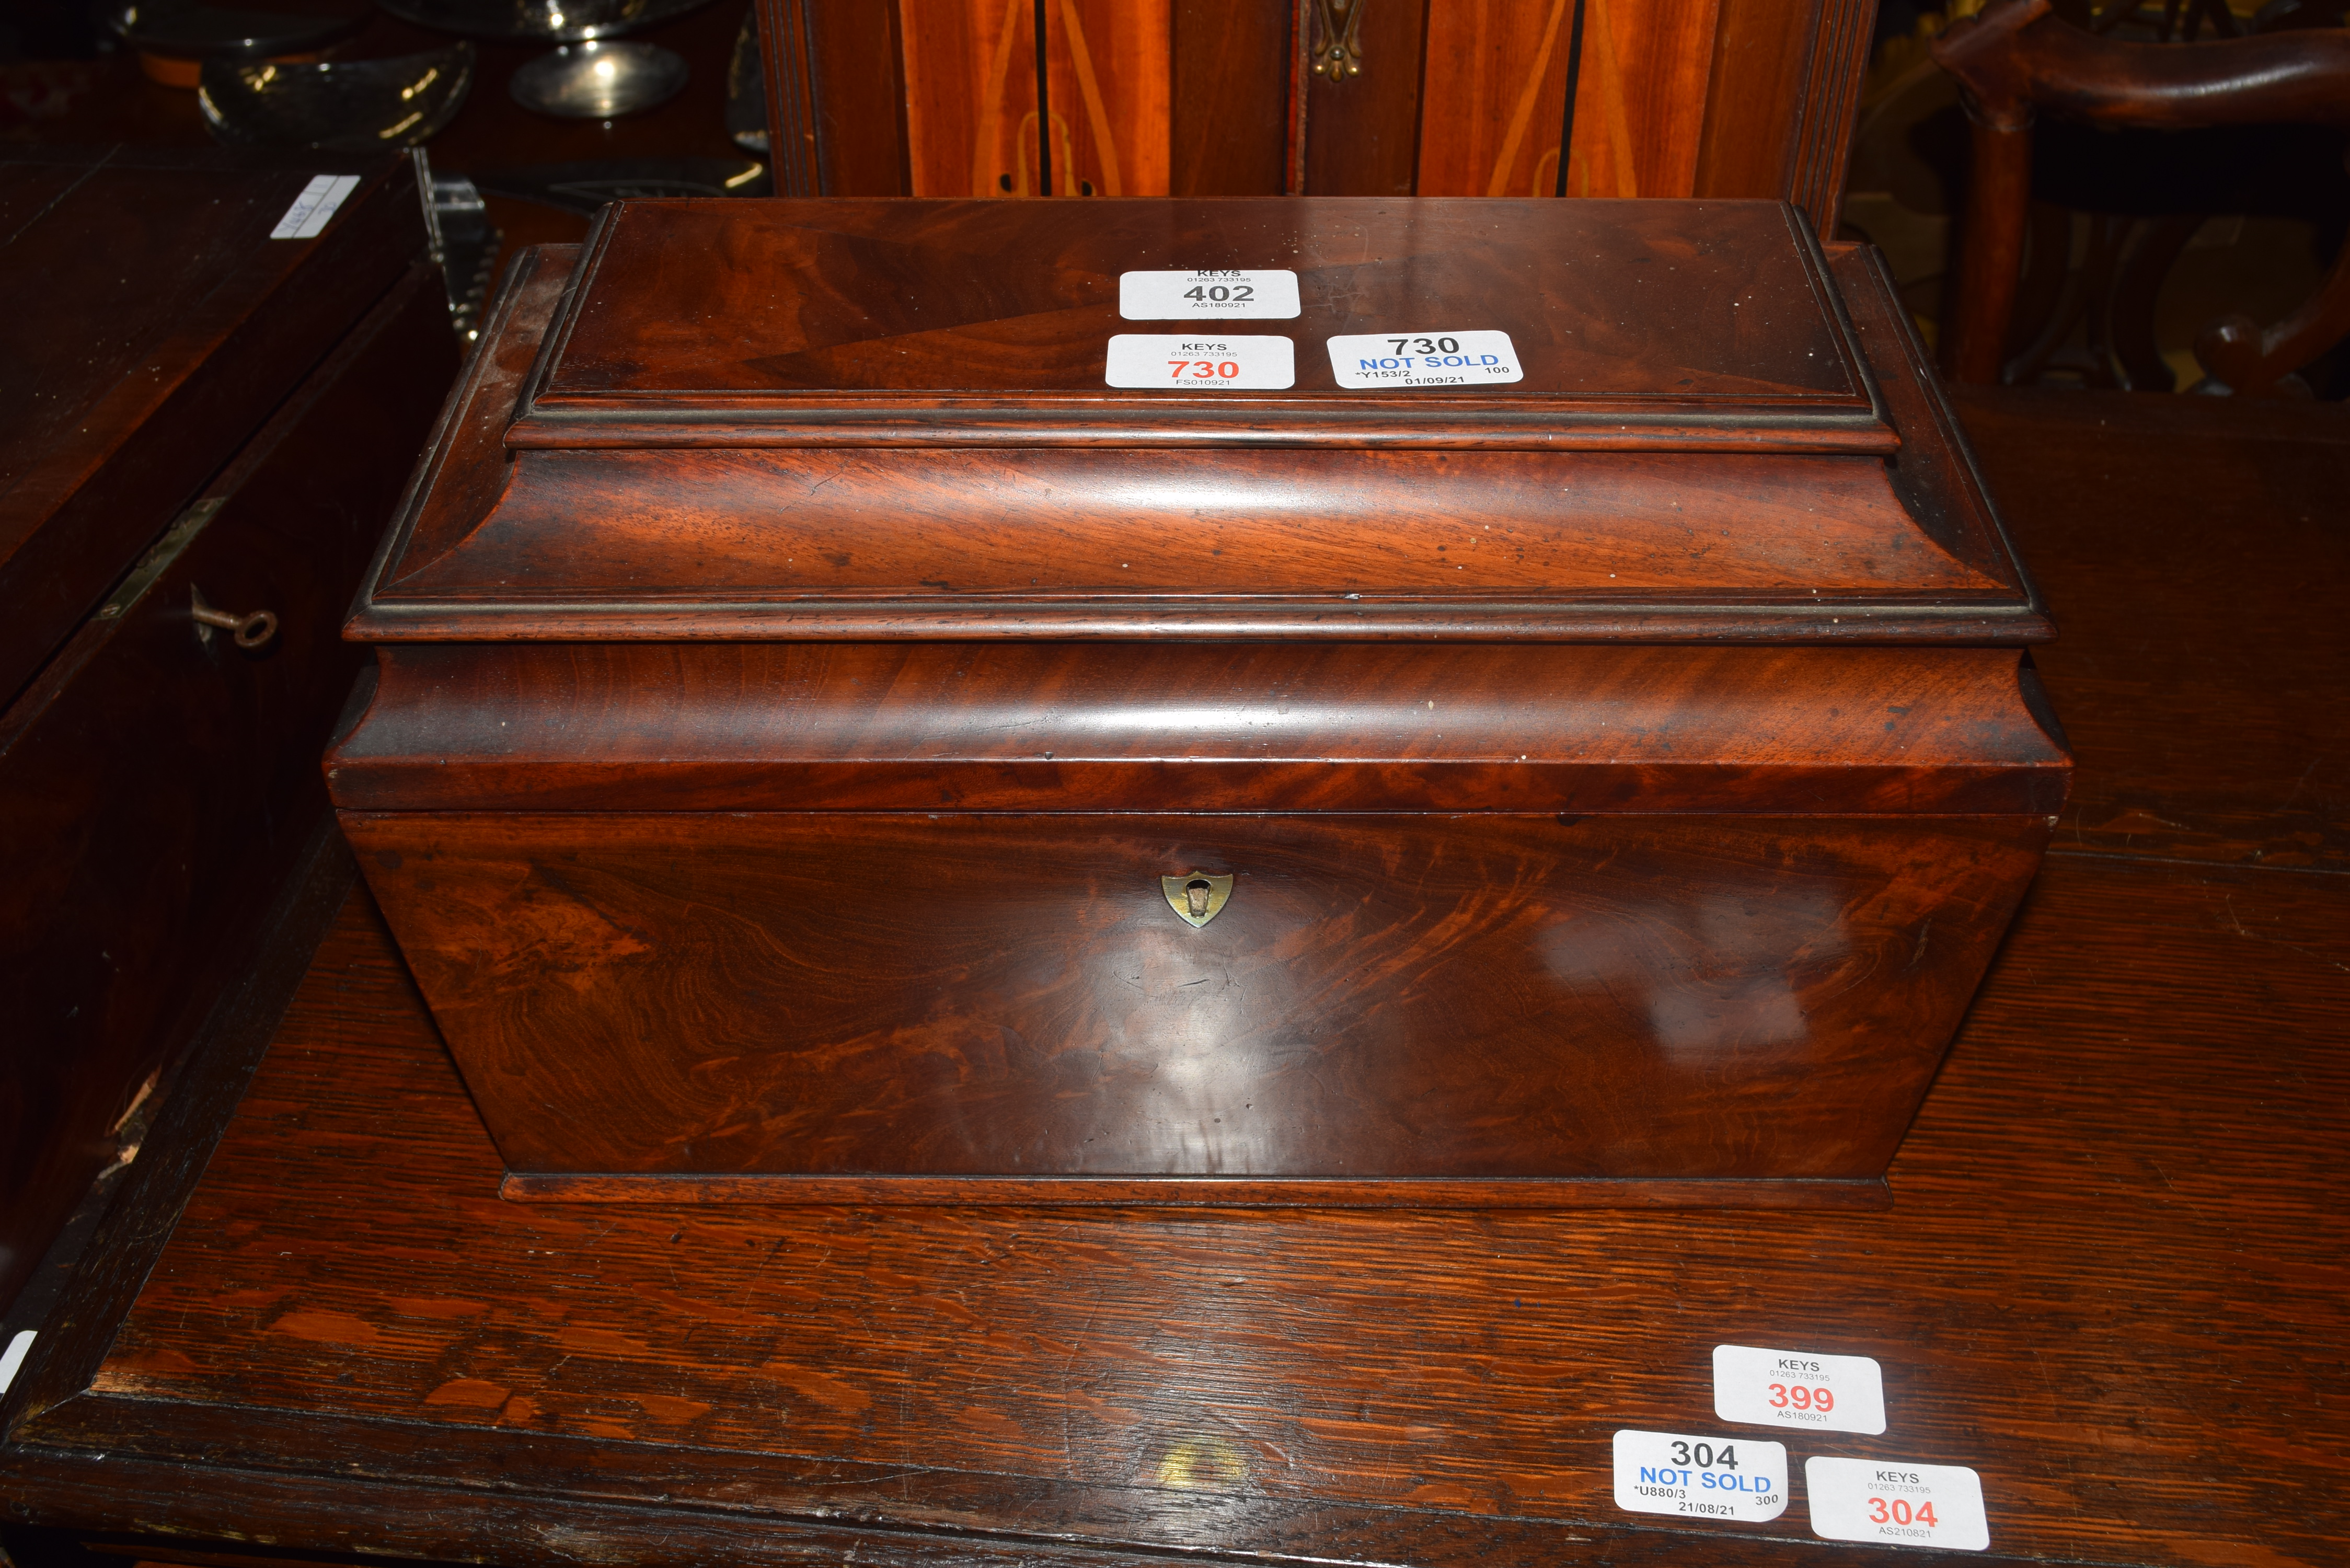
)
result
[(1897, 1503), (1374, 360), (1197, 295), (14, 1357), (1798, 1388), (1743, 1478), (1198, 362), (307, 218)]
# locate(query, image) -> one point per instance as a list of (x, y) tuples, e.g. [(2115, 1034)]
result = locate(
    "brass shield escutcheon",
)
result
[(1196, 896)]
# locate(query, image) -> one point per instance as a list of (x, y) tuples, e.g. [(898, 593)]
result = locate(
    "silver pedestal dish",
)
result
[(589, 78), (354, 105), (599, 80)]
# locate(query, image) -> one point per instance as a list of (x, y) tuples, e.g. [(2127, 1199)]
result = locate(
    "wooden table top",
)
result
[(2112, 1282)]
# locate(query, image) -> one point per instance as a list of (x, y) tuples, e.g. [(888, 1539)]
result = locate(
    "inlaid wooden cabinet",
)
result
[(1333, 98)]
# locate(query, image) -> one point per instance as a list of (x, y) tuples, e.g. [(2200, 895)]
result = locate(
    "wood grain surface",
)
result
[(127, 908), (1230, 83), (1779, 101), (1384, 997), (1809, 484), (1638, 123), (129, 383), (2111, 1279), (1226, 727), (2203, 734), (1497, 70), (2108, 1277), (1647, 300)]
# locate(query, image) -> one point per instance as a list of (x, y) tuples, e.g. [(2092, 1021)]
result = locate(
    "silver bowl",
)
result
[(552, 21), (354, 105), (193, 29), (599, 80)]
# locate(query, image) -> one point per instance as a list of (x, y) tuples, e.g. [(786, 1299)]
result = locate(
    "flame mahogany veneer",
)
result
[(797, 671)]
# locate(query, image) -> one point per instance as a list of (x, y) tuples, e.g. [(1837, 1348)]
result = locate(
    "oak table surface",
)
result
[(2112, 1281)]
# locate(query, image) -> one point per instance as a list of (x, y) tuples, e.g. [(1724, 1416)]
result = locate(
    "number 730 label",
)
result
[(1201, 363), (1369, 360), (1738, 1479)]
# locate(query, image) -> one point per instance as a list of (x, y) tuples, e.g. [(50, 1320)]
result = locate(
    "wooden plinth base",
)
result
[(1198, 1192)]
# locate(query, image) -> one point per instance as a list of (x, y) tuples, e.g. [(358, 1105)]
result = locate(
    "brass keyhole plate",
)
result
[(1196, 896)]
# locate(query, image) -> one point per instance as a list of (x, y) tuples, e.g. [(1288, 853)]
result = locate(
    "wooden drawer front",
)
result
[(1401, 996), (156, 784)]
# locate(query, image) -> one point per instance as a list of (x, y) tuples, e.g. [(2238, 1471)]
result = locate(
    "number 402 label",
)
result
[(1266, 294), (1738, 1479)]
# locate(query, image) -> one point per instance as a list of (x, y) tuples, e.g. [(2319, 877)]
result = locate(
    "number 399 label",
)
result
[(1797, 1388), (1897, 1503), (1198, 295), (1201, 362), (1739, 1478)]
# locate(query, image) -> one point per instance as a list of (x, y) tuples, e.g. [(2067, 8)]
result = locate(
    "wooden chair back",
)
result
[(2018, 56)]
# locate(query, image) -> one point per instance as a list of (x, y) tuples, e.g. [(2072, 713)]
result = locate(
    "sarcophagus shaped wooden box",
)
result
[(1432, 702)]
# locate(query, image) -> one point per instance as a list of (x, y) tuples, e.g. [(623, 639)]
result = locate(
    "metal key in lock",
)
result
[(251, 631)]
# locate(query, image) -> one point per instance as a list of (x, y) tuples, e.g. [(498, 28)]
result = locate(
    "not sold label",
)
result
[(1733, 1478)]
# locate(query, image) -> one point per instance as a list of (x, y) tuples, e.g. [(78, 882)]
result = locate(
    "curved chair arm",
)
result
[(2017, 56)]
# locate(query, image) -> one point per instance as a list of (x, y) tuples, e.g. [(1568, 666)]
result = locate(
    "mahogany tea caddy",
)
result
[(828, 745)]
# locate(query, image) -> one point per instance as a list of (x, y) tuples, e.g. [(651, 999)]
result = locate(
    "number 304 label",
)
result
[(1797, 1388), (1201, 362), (1375, 360), (1897, 1503), (1737, 1479), (1198, 295)]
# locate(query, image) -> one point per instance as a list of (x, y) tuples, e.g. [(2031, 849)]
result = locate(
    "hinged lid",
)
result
[(1638, 323), (893, 419)]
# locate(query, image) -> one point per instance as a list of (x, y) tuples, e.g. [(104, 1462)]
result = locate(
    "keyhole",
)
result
[(1195, 897)]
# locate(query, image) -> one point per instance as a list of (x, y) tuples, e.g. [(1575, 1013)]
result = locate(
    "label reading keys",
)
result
[(1201, 363), (1265, 294), (1897, 1502), (1373, 360), (1798, 1388), (1743, 1480)]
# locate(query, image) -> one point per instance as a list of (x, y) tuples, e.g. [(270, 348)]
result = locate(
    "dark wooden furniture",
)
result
[(109, 100), (2111, 1279), (193, 414), (2019, 56), (1323, 98), (803, 679)]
